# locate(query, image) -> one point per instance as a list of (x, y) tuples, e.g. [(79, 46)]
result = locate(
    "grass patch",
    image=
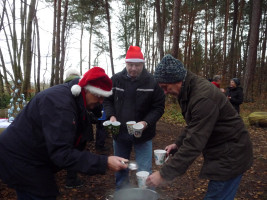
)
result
[(3, 113), (173, 113)]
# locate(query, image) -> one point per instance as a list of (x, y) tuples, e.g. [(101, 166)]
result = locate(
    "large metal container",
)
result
[(134, 194)]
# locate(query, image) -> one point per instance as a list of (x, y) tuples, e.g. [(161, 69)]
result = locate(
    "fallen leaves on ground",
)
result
[(186, 187)]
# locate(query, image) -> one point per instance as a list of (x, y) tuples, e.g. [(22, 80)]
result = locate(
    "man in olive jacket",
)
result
[(213, 128)]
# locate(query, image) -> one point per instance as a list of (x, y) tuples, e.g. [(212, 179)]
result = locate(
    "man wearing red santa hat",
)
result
[(42, 138), (136, 97)]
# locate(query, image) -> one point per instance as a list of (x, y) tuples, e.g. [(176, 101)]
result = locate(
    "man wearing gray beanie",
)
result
[(213, 128)]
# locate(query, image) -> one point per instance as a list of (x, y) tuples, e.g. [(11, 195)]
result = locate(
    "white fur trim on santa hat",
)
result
[(72, 71), (76, 90), (135, 60), (97, 91)]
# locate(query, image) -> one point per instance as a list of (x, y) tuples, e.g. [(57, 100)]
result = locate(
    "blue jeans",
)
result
[(143, 157), (223, 190), (27, 196)]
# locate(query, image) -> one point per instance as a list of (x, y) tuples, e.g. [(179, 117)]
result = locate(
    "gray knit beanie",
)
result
[(237, 81), (170, 70)]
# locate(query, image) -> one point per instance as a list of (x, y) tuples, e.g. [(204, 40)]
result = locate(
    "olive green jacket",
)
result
[(214, 129)]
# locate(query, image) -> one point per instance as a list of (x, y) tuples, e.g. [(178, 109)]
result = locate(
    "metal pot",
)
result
[(134, 194)]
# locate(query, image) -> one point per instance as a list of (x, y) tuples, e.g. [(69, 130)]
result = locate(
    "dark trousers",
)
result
[(27, 196), (72, 175), (101, 135)]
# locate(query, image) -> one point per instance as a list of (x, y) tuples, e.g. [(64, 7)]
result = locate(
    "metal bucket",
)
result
[(134, 194)]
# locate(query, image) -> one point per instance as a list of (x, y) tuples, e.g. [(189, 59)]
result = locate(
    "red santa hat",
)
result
[(95, 81), (134, 54)]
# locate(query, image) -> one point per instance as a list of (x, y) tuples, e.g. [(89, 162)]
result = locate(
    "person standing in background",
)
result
[(217, 82), (235, 93)]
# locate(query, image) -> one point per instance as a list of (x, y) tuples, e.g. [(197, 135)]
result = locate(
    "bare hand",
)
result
[(144, 123), (170, 147), (155, 179), (222, 90), (115, 163), (112, 119)]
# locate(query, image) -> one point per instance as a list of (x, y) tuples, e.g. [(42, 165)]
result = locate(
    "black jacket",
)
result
[(214, 129), (42, 140), (236, 95), (135, 100)]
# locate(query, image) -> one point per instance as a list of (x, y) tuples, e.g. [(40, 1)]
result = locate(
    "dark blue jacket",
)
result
[(42, 140), (135, 100)]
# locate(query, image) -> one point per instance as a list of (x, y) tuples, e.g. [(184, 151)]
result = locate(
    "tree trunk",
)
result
[(137, 24), (23, 13), (263, 65), (176, 35), (63, 41), (192, 22), (38, 88), (253, 43), (153, 41), (81, 49), (147, 19), (9, 49), (160, 27), (213, 68), (109, 36), (187, 41), (28, 62), (232, 67), (92, 21), (2, 90), (238, 42), (226, 19), (52, 80), (3, 15), (206, 42), (58, 42), (5, 72)]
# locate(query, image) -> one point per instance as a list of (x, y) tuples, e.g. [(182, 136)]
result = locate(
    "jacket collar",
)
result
[(80, 99), (183, 96)]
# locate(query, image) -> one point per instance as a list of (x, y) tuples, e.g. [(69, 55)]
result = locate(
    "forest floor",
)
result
[(186, 187)]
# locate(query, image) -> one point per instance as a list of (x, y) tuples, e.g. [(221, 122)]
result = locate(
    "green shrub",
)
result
[(4, 100), (172, 113)]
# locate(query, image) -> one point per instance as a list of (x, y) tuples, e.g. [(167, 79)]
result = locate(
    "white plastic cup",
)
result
[(141, 179), (138, 129), (159, 155), (107, 126), (130, 127), (107, 123), (115, 127)]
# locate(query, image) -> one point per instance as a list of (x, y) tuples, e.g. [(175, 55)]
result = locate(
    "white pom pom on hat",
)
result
[(76, 90), (95, 81)]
